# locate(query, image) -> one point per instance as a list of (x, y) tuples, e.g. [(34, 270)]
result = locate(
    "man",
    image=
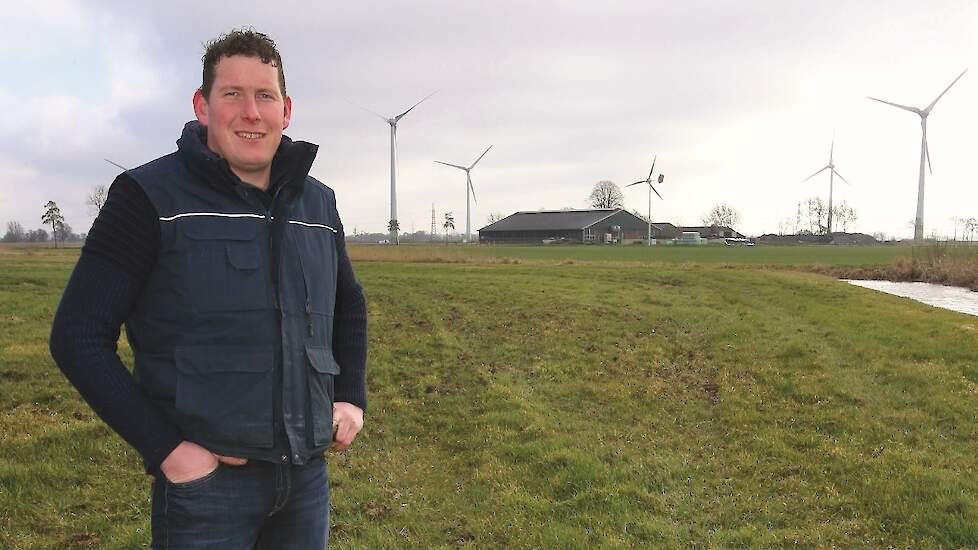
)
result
[(226, 261)]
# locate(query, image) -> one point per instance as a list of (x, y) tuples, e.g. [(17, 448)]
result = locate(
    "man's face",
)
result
[(245, 116)]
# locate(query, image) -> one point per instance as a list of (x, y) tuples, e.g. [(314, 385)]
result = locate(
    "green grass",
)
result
[(567, 405), (704, 254)]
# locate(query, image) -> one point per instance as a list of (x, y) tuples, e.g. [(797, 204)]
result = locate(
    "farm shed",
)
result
[(714, 232), (610, 225)]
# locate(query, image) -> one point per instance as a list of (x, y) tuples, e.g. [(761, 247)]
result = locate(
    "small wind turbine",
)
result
[(393, 123), (648, 180), (468, 189), (918, 229), (831, 168)]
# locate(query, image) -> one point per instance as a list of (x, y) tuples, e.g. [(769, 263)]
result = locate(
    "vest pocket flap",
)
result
[(243, 256), (205, 228), (208, 359), (322, 360)]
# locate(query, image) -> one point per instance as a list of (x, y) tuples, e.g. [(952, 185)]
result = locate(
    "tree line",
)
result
[(51, 216)]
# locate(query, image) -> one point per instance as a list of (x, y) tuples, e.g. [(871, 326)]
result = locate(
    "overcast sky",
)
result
[(739, 100)]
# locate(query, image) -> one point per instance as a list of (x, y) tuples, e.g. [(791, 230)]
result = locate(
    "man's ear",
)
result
[(288, 112), (200, 107)]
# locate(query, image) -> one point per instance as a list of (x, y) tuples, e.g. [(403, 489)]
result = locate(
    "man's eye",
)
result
[(230, 94), (266, 96)]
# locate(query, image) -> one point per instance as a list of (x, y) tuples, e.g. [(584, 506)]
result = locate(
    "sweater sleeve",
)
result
[(117, 258), (349, 331)]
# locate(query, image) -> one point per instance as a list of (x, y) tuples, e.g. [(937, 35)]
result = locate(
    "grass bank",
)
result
[(943, 264), (572, 405)]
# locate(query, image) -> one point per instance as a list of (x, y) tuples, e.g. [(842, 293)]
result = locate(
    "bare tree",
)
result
[(15, 233), (816, 211), (962, 222), (970, 227), (52, 215), (606, 194), (844, 215), (494, 217), (721, 215), (66, 233), (36, 236), (96, 199), (784, 225)]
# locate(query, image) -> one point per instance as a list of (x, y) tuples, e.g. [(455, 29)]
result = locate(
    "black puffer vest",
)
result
[(232, 333)]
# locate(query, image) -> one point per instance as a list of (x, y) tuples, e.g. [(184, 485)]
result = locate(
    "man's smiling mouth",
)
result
[(249, 135)]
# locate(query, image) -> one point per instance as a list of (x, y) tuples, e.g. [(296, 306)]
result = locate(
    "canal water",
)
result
[(948, 297)]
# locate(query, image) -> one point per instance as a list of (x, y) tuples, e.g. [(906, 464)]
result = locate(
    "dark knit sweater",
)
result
[(118, 256)]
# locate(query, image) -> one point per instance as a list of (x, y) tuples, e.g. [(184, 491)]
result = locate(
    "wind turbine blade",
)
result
[(897, 105), (452, 165), (832, 147), (815, 174), (656, 192), (378, 115), (480, 157), (116, 164), (840, 177), (927, 154), (398, 117), (637, 182), (469, 179), (932, 103), (651, 169)]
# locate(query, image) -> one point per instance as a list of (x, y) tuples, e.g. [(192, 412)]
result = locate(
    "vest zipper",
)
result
[(305, 283), (302, 267)]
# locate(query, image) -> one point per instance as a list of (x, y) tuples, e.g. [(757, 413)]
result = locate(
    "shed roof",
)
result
[(544, 220), (708, 231)]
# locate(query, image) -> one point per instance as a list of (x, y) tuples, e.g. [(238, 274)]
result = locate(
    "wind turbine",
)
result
[(116, 164), (648, 180), (918, 228), (468, 189), (393, 123), (831, 168)]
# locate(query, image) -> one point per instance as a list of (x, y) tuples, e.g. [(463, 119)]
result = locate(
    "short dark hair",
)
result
[(247, 42)]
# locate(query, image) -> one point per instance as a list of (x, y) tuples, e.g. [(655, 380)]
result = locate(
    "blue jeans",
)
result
[(256, 506)]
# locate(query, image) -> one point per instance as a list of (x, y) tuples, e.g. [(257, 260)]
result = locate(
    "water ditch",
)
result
[(954, 298)]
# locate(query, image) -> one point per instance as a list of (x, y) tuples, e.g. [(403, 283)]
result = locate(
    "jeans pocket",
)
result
[(194, 483)]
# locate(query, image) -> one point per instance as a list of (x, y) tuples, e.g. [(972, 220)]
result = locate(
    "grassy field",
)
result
[(571, 403), (713, 254)]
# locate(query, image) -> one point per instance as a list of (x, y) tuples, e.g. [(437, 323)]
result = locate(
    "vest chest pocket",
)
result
[(316, 247), (224, 269)]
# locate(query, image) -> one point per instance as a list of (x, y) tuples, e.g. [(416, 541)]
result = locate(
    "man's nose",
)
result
[(250, 109)]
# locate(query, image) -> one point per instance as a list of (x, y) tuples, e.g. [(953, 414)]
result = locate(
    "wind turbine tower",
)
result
[(918, 228), (393, 124), (648, 180), (831, 168), (468, 189)]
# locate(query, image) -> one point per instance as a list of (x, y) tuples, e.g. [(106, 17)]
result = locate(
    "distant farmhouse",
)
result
[(606, 225)]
